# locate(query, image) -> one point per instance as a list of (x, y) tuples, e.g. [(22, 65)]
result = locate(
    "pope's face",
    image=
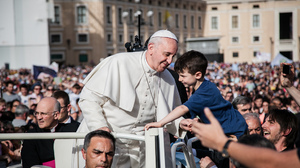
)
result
[(161, 54), (99, 153)]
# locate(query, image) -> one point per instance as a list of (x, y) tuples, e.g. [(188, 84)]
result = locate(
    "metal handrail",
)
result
[(61, 135)]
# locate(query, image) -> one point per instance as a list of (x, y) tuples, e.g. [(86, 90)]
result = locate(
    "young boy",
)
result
[(191, 68)]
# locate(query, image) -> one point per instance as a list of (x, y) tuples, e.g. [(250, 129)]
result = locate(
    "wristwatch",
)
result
[(224, 151)]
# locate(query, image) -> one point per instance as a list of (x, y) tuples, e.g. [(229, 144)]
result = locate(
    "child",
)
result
[(191, 68)]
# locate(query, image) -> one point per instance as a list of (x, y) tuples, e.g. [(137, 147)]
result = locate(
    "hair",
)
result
[(23, 86), (258, 97), (98, 133), (249, 116), (9, 82), (253, 140), (286, 120), (76, 86), (12, 102), (57, 106), (240, 100), (2, 101), (62, 95), (193, 61), (21, 109)]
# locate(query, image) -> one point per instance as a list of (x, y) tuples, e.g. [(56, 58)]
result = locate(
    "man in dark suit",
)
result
[(65, 107), (40, 151)]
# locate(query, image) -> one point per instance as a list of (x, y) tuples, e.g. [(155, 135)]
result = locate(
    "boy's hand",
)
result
[(153, 125), (186, 124)]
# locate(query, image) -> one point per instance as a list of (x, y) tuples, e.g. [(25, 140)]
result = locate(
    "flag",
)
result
[(280, 59), (37, 70), (168, 20)]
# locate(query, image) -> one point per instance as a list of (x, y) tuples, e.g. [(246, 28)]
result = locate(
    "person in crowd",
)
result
[(292, 106), (191, 68), (253, 122), (258, 101), (281, 128), (105, 101), (15, 103), (24, 94), (242, 104), (74, 95), (49, 91), (40, 151), (21, 114), (244, 154), (37, 95), (98, 149), (277, 102), (9, 95), (65, 107)]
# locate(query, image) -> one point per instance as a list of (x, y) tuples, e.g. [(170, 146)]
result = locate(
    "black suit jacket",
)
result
[(38, 151)]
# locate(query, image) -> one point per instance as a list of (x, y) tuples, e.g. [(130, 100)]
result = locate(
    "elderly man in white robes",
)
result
[(128, 90)]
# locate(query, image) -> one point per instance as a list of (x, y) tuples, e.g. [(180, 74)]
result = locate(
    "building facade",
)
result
[(86, 31)]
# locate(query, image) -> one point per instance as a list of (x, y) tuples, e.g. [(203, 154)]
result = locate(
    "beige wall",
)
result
[(98, 29)]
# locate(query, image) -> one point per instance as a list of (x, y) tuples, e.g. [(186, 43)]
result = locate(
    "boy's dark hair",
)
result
[(62, 95), (193, 61)]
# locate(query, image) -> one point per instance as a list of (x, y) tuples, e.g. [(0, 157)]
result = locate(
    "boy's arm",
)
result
[(176, 113)]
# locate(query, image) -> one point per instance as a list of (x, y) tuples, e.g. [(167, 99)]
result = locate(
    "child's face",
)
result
[(187, 79)]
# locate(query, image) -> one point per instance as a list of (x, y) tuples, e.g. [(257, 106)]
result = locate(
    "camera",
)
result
[(286, 69)]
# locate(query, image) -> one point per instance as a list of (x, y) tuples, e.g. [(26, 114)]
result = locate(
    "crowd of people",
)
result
[(253, 92)]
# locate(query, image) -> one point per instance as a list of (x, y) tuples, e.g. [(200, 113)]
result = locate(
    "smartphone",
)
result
[(286, 69)]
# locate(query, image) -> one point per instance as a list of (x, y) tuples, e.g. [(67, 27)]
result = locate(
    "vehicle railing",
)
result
[(154, 143)]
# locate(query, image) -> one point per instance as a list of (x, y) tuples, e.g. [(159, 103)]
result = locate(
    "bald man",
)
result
[(40, 151)]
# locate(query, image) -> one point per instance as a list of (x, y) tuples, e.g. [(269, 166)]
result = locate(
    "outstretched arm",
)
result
[(247, 155), (176, 113), (286, 80)]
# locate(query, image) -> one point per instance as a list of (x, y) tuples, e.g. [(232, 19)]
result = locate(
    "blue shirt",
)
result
[(208, 95)]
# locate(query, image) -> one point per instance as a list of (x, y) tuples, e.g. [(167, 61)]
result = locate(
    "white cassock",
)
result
[(122, 93)]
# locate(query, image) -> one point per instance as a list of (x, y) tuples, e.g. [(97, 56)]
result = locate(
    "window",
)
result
[(130, 15), (234, 7), (56, 57), (199, 23), (83, 58), (57, 14), (255, 38), (108, 37), (286, 25), (120, 15), (256, 21), (159, 19), (120, 38), (235, 54), (184, 21), (235, 39), (192, 22), (177, 20), (234, 22), (108, 16), (214, 8), (255, 53), (214, 23), (81, 14), (255, 6), (55, 38), (82, 38)]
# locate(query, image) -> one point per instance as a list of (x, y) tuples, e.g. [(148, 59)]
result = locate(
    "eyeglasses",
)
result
[(246, 109), (50, 89), (256, 129), (42, 113)]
